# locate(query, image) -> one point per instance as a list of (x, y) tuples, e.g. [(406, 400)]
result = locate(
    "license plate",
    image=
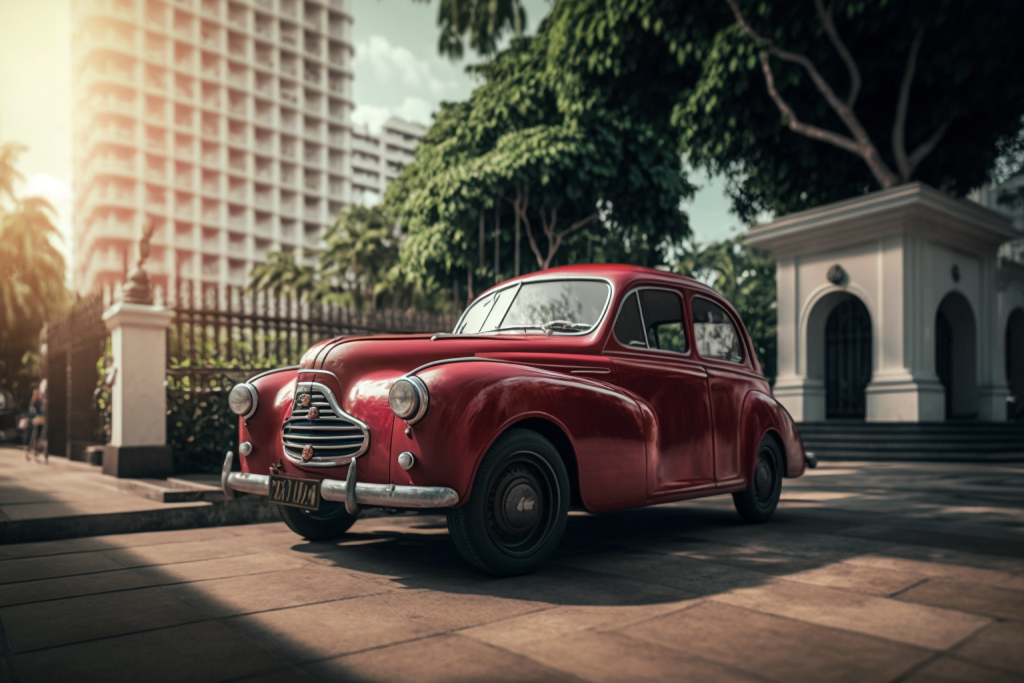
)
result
[(299, 493)]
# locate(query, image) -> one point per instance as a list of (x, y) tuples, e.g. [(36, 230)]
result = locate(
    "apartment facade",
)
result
[(226, 123), (378, 159)]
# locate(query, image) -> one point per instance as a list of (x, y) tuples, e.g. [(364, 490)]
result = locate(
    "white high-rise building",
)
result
[(378, 159), (225, 122)]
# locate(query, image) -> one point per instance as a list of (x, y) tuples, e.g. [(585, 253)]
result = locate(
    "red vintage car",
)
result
[(599, 387)]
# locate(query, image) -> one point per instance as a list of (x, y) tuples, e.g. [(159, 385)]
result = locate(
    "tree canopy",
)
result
[(799, 103), (606, 181)]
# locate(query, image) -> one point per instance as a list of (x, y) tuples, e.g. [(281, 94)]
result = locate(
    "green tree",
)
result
[(799, 103), (602, 181), (32, 287), (745, 276), (483, 23)]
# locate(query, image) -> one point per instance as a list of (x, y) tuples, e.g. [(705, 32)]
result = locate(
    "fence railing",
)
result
[(234, 328)]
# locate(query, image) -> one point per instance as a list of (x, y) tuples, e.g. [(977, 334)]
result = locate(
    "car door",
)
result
[(653, 359), (720, 344)]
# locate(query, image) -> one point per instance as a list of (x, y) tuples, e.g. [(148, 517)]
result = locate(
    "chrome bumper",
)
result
[(375, 495)]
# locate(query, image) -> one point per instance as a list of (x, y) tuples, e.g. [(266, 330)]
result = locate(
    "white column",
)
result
[(138, 437)]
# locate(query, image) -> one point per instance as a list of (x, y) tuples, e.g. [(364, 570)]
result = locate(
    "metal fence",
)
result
[(75, 344), (233, 327)]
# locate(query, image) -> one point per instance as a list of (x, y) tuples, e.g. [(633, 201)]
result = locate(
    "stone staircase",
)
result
[(954, 441)]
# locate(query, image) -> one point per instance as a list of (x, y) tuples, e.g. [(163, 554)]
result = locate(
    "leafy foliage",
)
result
[(693, 63), (482, 22), (32, 277), (603, 182)]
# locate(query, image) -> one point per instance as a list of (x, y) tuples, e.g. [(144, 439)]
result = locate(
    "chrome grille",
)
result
[(335, 436)]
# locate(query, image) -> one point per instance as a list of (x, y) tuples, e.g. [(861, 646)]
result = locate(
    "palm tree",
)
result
[(281, 274), (9, 175), (32, 280), (361, 249)]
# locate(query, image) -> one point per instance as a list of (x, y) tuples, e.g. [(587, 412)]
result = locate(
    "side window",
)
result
[(628, 328), (715, 334), (663, 318)]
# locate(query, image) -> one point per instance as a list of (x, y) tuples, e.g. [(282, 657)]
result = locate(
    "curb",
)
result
[(247, 510)]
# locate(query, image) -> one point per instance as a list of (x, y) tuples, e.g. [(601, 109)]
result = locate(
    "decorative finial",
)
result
[(137, 290)]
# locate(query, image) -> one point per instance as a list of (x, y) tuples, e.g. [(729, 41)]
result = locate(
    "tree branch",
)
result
[(795, 124), (861, 144), (899, 123), (573, 228), (926, 147), (825, 16), (521, 206)]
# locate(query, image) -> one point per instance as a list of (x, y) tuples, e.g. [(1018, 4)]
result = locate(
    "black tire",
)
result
[(330, 521), (758, 501), (516, 513)]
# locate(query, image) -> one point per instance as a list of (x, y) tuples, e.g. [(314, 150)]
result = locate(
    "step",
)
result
[(166, 491)]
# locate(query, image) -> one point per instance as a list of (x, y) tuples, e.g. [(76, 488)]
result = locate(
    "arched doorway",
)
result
[(955, 356), (1015, 364), (847, 360)]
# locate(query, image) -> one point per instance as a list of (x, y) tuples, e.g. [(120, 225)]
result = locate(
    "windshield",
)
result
[(570, 306)]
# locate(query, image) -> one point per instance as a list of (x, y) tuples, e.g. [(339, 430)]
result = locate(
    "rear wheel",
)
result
[(330, 521), (758, 501), (515, 516)]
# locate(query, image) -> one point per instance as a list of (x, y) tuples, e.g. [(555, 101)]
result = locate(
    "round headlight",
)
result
[(408, 399), (242, 400)]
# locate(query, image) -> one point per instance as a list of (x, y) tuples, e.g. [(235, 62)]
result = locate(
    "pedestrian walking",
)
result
[(35, 437)]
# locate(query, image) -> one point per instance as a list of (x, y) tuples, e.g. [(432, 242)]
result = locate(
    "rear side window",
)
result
[(714, 332), (629, 330), (663, 319)]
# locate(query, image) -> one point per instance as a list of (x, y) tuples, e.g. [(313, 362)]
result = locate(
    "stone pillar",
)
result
[(138, 437)]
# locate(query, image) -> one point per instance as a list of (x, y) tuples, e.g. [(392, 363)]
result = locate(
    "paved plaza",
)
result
[(869, 572)]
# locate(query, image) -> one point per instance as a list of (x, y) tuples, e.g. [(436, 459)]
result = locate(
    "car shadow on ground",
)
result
[(634, 557)]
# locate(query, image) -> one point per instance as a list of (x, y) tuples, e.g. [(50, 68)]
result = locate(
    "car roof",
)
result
[(621, 275)]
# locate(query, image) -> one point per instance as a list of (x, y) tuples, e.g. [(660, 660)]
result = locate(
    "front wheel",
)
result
[(515, 516), (758, 501), (330, 521)]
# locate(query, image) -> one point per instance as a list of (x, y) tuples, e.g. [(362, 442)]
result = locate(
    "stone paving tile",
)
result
[(197, 653), (943, 567), (953, 670), (438, 659), (75, 545), (913, 624), (613, 657), (29, 568), (220, 568), (273, 591), (71, 586), (516, 632), (942, 539), (1000, 645), (777, 648), (279, 676), (682, 573), (976, 598), (312, 632), (62, 622), (185, 551), (858, 578)]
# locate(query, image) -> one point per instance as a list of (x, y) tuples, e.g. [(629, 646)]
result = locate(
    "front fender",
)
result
[(473, 402), (274, 391), (763, 414)]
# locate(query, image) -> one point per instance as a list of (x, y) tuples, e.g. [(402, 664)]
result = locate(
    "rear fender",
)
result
[(472, 402), (762, 415)]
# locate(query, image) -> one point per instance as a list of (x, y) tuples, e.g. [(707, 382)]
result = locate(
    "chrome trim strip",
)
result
[(551, 278), (225, 474), (379, 495), (322, 372), (327, 461), (271, 372)]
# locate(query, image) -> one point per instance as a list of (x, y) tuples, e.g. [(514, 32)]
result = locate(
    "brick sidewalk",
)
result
[(870, 572)]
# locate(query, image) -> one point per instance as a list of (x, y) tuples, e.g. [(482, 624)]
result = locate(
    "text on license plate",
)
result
[(300, 493)]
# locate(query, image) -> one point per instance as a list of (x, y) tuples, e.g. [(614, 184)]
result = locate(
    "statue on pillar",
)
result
[(137, 289)]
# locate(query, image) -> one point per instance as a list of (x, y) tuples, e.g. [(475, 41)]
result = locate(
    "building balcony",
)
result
[(211, 219), (113, 165), (263, 201), (263, 227), (237, 221)]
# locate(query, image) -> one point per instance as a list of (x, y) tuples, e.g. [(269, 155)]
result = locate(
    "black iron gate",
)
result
[(847, 360), (75, 344)]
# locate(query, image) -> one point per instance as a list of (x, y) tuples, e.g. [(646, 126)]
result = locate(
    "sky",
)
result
[(397, 72)]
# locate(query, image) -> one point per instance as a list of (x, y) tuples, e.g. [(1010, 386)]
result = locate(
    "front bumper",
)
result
[(350, 492)]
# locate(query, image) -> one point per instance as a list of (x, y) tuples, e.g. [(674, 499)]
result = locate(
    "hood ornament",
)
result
[(307, 453)]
